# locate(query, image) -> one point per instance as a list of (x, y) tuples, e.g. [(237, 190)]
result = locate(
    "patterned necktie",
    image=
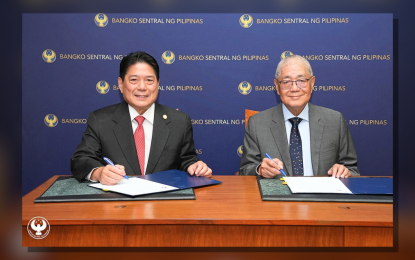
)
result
[(140, 142), (296, 149)]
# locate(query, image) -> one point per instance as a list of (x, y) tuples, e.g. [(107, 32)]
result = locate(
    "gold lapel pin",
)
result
[(164, 116)]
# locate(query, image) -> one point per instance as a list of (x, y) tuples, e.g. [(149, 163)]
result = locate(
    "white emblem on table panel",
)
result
[(38, 227)]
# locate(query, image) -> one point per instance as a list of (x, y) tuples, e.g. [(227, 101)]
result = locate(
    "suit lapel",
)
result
[(160, 135), (316, 136), (280, 137), (123, 133)]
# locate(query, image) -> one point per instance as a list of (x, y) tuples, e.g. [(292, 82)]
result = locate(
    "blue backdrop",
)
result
[(66, 56)]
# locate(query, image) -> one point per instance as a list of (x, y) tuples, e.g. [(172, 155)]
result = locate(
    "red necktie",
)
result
[(140, 142)]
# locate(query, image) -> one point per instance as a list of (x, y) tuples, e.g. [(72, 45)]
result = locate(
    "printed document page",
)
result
[(316, 185), (135, 186)]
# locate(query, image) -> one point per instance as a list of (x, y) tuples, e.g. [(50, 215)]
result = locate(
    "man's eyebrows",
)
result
[(298, 76), (148, 76)]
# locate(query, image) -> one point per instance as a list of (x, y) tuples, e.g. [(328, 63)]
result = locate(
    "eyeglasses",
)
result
[(301, 83)]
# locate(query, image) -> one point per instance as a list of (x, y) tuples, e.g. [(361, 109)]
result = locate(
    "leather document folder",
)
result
[(275, 190), (369, 185)]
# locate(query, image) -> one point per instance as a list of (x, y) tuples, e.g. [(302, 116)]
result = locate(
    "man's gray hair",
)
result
[(290, 59)]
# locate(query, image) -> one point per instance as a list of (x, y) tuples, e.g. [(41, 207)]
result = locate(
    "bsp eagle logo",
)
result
[(168, 57), (240, 150), (102, 87), (49, 56), (246, 21), (101, 20), (285, 54), (51, 120), (38, 227), (244, 88)]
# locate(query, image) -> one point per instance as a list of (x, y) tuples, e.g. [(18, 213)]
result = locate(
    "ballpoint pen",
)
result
[(111, 163), (269, 157)]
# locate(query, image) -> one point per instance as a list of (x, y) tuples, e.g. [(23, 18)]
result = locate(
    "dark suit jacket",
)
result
[(109, 133), (330, 139)]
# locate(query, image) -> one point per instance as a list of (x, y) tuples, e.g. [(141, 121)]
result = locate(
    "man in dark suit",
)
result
[(138, 134), (303, 139)]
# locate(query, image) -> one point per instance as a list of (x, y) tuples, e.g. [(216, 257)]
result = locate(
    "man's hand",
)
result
[(200, 169), (269, 169), (108, 175), (339, 171)]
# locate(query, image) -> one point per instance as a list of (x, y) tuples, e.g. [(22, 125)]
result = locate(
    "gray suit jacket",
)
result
[(330, 139), (109, 133)]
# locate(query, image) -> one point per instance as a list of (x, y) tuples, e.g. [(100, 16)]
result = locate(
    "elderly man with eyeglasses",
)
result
[(302, 139)]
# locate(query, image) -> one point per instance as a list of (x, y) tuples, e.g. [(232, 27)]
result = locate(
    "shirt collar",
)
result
[(148, 115), (287, 114)]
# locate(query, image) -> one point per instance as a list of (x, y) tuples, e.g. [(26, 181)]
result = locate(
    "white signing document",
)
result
[(135, 186), (316, 185)]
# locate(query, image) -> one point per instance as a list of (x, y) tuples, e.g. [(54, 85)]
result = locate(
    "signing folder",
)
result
[(358, 185), (157, 182), (369, 185)]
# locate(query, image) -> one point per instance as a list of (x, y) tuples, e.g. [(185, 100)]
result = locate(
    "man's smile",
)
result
[(140, 96)]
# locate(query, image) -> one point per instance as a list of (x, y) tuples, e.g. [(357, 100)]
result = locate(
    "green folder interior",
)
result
[(68, 189), (274, 190)]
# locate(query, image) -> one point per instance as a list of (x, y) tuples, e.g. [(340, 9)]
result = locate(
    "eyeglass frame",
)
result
[(292, 83)]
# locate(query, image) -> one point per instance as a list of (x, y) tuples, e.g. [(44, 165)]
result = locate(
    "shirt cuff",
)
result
[(88, 177), (256, 169)]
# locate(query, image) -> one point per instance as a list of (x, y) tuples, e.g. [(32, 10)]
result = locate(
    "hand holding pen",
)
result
[(110, 174), (111, 163), (269, 167)]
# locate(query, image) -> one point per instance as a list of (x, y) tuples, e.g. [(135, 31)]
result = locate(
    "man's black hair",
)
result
[(138, 57)]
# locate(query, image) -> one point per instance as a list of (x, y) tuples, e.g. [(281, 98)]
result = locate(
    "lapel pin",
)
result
[(164, 116)]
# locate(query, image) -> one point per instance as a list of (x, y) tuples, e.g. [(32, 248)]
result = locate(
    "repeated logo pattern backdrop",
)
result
[(213, 67)]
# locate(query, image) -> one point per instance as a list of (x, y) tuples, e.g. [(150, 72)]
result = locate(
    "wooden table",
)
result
[(231, 214)]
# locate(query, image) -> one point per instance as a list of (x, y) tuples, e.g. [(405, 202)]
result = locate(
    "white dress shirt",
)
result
[(147, 126), (148, 131), (304, 128)]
